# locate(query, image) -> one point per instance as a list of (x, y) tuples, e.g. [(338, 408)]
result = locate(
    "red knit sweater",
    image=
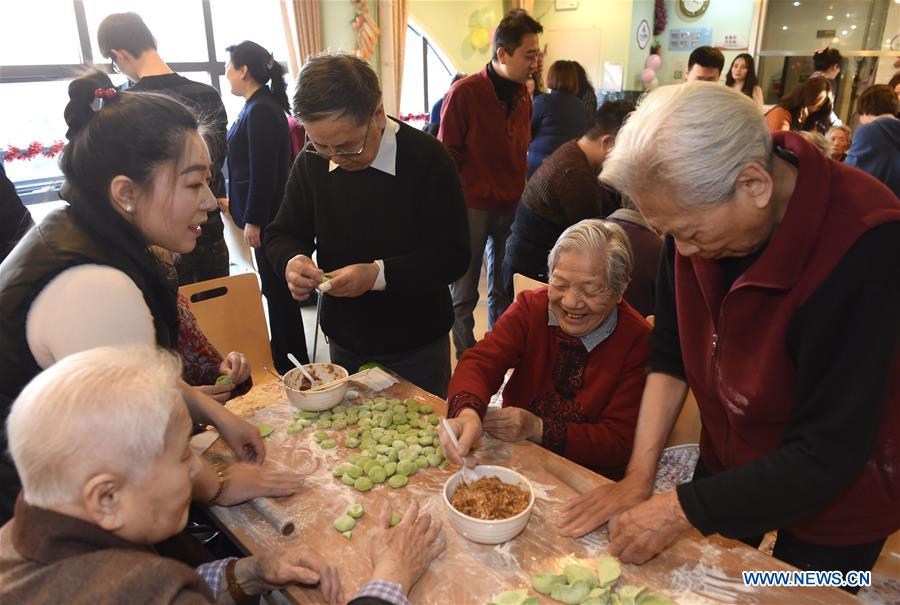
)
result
[(490, 147), (588, 401)]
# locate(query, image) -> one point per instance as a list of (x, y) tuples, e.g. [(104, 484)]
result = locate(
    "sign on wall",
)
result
[(643, 34), (690, 38)]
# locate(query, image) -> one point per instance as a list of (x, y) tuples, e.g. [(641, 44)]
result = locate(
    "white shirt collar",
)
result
[(386, 160)]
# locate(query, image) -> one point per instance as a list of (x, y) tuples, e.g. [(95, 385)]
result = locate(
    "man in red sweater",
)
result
[(486, 125)]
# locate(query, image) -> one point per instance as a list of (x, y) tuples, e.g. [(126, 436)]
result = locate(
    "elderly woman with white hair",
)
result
[(578, 351), (779, 306), (101, 442)]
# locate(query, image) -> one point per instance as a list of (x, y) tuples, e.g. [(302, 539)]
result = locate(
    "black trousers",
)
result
[(427, 367), (285, 320), (808, 556)]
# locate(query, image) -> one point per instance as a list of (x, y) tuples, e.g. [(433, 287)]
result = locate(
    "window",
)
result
[(427, 74), (860, 29), (34, 76)]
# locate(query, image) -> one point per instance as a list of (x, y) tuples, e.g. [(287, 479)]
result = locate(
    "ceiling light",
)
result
[(796, 3), (829, 17), (852, 27), (835, 40), (784, 28), (844, 32)]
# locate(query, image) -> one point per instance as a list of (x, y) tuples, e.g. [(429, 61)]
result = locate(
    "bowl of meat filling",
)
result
[(298, 387), (491, 510)]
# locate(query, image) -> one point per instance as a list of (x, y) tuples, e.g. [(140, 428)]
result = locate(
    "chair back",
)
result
[(229, 311), (522, 283)]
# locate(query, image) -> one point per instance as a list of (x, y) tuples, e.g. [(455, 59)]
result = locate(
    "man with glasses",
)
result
[(381, 205), (126, 41)]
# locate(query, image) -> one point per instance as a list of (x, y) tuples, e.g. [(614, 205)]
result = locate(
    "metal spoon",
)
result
[(274, 373), (296, 362), (468, 475)]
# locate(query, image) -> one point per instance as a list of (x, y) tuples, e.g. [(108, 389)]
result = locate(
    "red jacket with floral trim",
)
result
[(588, 401)]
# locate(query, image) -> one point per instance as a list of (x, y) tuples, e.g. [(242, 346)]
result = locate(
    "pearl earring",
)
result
[(129, 208)]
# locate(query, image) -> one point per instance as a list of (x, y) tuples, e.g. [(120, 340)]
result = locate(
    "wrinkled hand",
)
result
[(353, 280), (302, 276), (252, 235), (401, 554), (280, 568), (467, 427), (513, 424), (219, 392), (589, 511), (641, 532), (244, 482), (237, 366), (242, 437)]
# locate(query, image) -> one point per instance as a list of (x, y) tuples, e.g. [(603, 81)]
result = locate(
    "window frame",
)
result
[(36, 191), (438, 53)]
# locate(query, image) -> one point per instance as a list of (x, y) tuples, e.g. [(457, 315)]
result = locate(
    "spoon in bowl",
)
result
[(468, 475), (296, 362)]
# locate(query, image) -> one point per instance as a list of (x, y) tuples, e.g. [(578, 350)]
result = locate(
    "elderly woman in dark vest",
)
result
[(785, 267), (136, 173)]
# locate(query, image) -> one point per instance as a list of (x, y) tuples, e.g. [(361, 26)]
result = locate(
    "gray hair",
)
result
[(843, 127), (691, 141), (816, 139), (102, 410), (600, 237), (336, 84)]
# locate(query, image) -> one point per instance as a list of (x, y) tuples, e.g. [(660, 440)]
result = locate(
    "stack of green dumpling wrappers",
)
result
[(578, 585)]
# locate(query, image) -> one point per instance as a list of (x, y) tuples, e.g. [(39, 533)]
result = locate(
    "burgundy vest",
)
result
[(734, 342)]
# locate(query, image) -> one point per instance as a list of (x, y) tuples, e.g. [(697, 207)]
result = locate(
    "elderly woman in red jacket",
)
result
[(578, 350)]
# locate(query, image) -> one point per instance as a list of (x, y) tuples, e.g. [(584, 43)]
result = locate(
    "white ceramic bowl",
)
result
[(487, 531), (316, 401)]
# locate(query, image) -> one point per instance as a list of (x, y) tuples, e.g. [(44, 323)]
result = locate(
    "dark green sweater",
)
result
[(414, 221)]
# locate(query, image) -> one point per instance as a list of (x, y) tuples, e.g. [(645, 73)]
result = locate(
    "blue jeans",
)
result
[(487, 235)]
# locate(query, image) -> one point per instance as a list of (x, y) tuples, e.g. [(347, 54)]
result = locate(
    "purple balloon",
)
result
[(647, 76), (653, 62)]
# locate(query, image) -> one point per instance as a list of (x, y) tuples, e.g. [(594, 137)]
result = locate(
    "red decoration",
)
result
[(414, 117), (105, 93), (660, 18), (32, 151)]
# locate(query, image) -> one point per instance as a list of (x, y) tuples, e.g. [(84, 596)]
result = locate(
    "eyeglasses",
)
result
[(323, 150)]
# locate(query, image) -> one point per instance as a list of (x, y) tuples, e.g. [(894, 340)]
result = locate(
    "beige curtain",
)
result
[(309, 27), (398, 17), (392, 15)]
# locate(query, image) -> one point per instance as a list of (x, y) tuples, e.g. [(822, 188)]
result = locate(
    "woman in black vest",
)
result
[(259, 152), (136, 174)]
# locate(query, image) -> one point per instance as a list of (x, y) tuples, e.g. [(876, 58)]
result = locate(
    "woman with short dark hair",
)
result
[(876, 143), (556, 117)]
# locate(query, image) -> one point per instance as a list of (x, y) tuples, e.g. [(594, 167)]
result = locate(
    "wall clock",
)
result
[(693, 8)]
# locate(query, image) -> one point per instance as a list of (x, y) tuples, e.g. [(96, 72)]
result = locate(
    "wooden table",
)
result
[(692, 570)]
